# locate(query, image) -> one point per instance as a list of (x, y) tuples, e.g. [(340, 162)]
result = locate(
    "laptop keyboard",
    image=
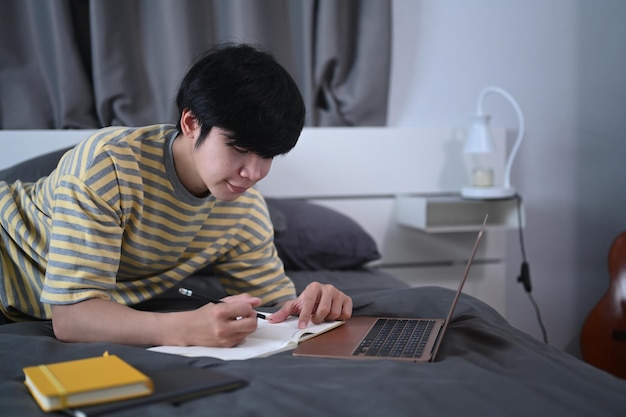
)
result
[(399, 338)]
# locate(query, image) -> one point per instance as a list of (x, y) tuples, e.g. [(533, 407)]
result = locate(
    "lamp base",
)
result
[(487, 193)]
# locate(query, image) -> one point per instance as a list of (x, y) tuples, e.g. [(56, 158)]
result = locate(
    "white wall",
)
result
[(564, 61)]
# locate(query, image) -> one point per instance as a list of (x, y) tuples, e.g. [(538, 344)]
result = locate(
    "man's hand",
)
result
[(317, 303), (222, 325)]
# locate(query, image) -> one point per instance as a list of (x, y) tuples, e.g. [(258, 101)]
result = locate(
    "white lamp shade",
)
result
[(479, 137), (479, 141)]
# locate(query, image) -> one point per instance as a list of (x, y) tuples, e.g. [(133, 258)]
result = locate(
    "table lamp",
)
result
[(479, 141)]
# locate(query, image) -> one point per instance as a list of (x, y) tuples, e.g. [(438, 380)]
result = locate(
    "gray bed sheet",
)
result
[(485, 367)]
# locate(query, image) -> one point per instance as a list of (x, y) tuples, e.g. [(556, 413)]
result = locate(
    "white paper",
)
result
[(267, 339)]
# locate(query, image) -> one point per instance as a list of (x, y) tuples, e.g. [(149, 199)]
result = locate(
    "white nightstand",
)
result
[(446, 213)]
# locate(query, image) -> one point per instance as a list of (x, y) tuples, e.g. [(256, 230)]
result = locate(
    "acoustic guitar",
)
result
[(603, 336)]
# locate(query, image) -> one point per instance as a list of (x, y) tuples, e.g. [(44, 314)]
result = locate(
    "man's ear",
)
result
[(189, 124)]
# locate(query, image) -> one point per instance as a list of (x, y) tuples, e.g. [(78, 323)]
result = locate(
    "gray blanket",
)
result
[(485, 368)]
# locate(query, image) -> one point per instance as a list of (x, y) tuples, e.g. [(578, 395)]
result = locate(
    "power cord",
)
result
[(524, 277)]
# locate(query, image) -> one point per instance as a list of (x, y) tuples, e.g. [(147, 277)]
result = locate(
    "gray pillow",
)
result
[(317, 237), (33, 169)]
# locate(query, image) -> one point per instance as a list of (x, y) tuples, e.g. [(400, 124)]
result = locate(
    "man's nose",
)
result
[(256, 168)]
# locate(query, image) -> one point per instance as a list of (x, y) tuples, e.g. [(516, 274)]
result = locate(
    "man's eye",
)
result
[(240, 150)]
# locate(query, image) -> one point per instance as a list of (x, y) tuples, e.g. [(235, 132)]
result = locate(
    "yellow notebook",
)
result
[(84, 382)]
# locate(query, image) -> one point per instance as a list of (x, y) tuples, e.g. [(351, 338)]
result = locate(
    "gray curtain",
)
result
[(94, 63)]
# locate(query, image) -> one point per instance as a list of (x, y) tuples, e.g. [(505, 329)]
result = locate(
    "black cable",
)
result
[(519, 226), (524, 276), (543, 329)]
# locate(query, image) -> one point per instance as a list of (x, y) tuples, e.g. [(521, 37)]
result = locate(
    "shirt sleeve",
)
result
[(84, 250)]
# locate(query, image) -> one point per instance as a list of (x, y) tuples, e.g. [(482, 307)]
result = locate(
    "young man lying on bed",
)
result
[(130, 212)]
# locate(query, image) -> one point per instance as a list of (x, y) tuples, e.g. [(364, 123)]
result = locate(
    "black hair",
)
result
[(243, 90)]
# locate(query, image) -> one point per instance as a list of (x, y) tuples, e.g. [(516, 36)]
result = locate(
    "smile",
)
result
[(236, 189)]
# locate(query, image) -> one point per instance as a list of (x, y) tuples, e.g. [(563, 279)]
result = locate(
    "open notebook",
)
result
[(406, 339), (266, 340)]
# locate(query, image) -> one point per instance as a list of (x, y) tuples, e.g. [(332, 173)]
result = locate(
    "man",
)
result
[(130, 212)]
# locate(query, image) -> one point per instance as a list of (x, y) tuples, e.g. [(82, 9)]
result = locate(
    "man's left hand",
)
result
[(317, 303)]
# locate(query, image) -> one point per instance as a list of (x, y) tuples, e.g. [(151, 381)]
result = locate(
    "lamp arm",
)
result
[(520, 131)]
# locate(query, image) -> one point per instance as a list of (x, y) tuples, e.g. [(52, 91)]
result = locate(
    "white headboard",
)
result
[(360, 171), (355, 161)]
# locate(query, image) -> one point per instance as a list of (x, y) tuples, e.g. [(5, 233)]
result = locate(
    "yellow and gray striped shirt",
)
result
[(113, 221)]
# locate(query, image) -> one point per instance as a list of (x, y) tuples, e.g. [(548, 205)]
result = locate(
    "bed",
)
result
[(485, 366)]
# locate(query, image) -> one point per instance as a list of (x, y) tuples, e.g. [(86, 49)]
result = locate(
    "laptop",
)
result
[(403, 339)]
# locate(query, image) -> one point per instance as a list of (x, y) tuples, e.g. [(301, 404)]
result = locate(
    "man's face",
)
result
[(226, 170)]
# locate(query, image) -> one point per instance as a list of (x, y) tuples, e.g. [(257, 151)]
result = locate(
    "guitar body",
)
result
[(603, 337)]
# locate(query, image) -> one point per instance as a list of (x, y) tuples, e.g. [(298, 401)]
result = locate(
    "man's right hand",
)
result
[(226, 324)]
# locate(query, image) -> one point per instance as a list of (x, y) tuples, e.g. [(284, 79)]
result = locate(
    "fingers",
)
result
[(340, 310), (319, 302), (332, 305), (308, 303), (225, 324), (285, 311)]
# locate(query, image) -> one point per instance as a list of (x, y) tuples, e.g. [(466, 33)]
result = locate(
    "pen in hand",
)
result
[(188, 293)]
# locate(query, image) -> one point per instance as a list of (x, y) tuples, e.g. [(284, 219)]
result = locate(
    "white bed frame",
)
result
[(361, 172)]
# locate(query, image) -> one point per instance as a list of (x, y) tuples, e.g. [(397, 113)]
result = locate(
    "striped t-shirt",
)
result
[(113, 221)]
